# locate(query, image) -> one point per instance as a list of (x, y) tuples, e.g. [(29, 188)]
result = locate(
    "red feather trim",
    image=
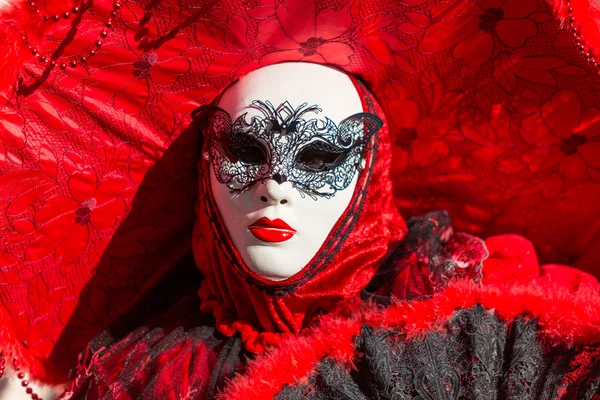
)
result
[(566, 317)]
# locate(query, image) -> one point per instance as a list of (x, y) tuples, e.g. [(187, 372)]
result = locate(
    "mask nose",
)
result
[(279, 178), (275, 191)]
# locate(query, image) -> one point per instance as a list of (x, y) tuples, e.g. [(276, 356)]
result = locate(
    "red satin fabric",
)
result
[(366, 233), (512, 259), (493, 116)]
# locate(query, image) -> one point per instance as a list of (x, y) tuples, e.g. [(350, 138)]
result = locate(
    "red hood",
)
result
[(262, 310)]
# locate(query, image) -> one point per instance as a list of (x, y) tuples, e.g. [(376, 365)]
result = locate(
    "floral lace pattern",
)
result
[(492, 110), (477, 356)]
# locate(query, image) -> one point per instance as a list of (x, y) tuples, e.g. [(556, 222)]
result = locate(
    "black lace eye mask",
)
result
[(317, 156)]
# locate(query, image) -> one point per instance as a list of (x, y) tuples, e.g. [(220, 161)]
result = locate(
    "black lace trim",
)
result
[(429, 257), (477, 357), (156, 364)]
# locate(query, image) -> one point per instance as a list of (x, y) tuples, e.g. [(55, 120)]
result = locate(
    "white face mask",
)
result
[(286, 144)]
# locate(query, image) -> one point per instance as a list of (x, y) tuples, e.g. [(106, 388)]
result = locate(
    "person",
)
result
[(313, 285)]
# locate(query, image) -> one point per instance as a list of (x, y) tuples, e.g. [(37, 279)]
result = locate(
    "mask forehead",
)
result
[(294, 83)]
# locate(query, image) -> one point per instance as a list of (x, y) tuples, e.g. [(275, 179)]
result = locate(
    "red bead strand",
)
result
[(71, 61), (20, 375), (586, 53)]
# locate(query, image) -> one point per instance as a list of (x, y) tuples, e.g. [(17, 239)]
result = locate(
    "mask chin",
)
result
[(275, 228)]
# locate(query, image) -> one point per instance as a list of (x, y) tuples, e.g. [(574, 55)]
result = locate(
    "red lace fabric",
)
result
[(493, 116)]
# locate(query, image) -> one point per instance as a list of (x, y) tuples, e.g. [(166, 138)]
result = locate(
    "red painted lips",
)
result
[(271, 231)]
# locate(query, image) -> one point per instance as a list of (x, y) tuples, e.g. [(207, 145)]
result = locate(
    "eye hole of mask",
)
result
[(319, 156), (251, 154)]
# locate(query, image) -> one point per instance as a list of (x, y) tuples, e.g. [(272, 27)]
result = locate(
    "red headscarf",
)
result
[(262, 310)]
